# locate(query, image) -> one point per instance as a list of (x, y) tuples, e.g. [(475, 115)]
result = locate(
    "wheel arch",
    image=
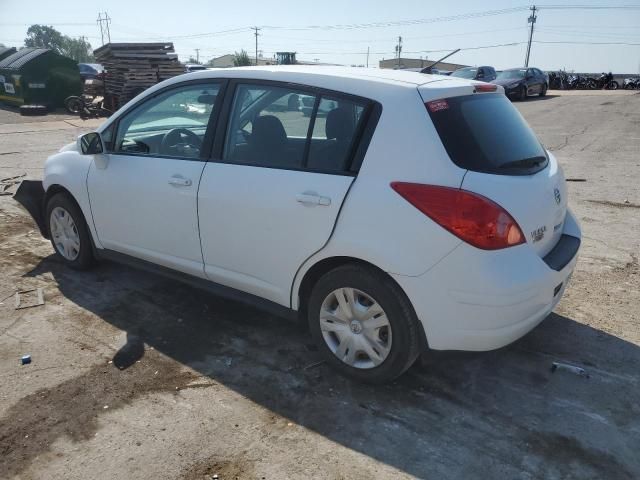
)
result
[(300, 295)]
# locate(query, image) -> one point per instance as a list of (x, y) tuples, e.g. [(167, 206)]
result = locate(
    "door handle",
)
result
[(179, 181), (313, 199)]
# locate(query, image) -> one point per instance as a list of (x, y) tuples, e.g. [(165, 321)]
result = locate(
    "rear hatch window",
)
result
[(486, 133)]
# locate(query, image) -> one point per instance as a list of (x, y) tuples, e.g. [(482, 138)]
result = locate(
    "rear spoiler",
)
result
[(30, 195)]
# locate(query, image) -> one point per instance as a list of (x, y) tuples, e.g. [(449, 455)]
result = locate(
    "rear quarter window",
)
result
[(486, 133)]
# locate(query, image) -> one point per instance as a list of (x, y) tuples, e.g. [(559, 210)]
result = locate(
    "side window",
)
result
[(171, 124), (268, 126), (334, 132)]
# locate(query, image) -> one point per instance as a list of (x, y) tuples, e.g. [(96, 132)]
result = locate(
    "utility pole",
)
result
[(99, 22), (532, 21), (256, 30), (367, 57), (104, 29), (399, 51), (197, 55)]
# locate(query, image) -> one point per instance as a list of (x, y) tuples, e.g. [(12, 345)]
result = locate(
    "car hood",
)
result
[(506, 81)]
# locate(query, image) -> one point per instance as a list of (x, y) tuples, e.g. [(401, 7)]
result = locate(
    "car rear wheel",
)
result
[(68, 232), (363, 324)]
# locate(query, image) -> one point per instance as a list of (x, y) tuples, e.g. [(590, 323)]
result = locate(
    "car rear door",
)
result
[(270, 197), (143, 192)]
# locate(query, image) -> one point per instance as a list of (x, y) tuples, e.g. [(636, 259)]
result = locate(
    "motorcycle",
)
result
[(87, 106), (578, 82), (606, 82), (631, 83)]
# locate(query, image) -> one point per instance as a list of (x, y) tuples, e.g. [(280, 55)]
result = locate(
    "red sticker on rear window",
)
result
[(437, 105)]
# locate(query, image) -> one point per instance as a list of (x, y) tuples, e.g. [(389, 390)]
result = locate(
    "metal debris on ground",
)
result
[(575, 179), (29, 298), (25, 359), (7, 183), (569, 368), (314, 365)]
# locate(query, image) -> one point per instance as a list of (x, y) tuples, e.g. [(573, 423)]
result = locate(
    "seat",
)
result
[(339, 128), (267, 142)]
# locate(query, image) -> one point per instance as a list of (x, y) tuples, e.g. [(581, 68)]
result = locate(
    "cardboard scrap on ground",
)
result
[(29, 298), (7, 183)]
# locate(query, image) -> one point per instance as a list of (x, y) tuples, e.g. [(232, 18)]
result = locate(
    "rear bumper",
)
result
[(30, 195), (477, 300)]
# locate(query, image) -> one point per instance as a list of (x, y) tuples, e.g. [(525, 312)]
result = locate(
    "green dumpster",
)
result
[(6, 51), (38, 76)]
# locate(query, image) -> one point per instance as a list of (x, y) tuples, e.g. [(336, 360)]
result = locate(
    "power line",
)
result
[(589, 43), (398, 23)]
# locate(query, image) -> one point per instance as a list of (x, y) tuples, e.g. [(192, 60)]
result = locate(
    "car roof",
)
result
[(302, 73), (366, 82)]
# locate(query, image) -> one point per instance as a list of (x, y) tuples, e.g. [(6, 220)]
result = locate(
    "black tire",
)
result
[(613, 85), (74, 105), (32, 110), (85, 258), (543, 92), (406, 334), (522, 95)]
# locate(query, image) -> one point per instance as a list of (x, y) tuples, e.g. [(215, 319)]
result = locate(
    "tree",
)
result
[(43, 36), (78, 49), (193, 60), (241, 59)]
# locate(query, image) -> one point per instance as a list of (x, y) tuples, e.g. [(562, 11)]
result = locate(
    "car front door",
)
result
[(271, 196), (144, 193)]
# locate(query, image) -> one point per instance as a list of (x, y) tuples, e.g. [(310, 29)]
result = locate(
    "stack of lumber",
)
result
[(134, 67)]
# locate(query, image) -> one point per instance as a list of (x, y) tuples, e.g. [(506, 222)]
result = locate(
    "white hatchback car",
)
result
[(402, 211)]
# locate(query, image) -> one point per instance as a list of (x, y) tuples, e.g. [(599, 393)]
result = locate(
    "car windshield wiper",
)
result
[(525, 162)]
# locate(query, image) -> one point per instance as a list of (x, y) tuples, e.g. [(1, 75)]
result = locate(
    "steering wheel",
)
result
[(174, 141)]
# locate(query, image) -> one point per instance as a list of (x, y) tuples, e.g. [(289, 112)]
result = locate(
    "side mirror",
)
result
[(91, 144)]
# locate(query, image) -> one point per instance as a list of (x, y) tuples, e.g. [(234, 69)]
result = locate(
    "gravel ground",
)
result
[(135, 376)]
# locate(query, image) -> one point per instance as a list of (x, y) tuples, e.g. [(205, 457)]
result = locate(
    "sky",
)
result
[(340, 31)]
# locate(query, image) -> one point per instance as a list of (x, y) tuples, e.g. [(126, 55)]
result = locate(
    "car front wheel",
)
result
[(363, 324), (543, 92), (523, 94), (68, 232)]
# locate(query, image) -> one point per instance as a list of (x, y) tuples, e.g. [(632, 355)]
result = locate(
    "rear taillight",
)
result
[(469, 216)]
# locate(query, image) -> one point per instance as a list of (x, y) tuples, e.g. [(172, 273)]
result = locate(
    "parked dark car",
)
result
[(89, 71), (484, 73), (519, 83)]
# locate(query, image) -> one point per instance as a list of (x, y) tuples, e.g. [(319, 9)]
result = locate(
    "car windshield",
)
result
[(486, 133), (512, 74), (465, 73)]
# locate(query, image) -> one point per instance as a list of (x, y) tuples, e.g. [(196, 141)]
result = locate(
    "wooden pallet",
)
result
[(132, 67)]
